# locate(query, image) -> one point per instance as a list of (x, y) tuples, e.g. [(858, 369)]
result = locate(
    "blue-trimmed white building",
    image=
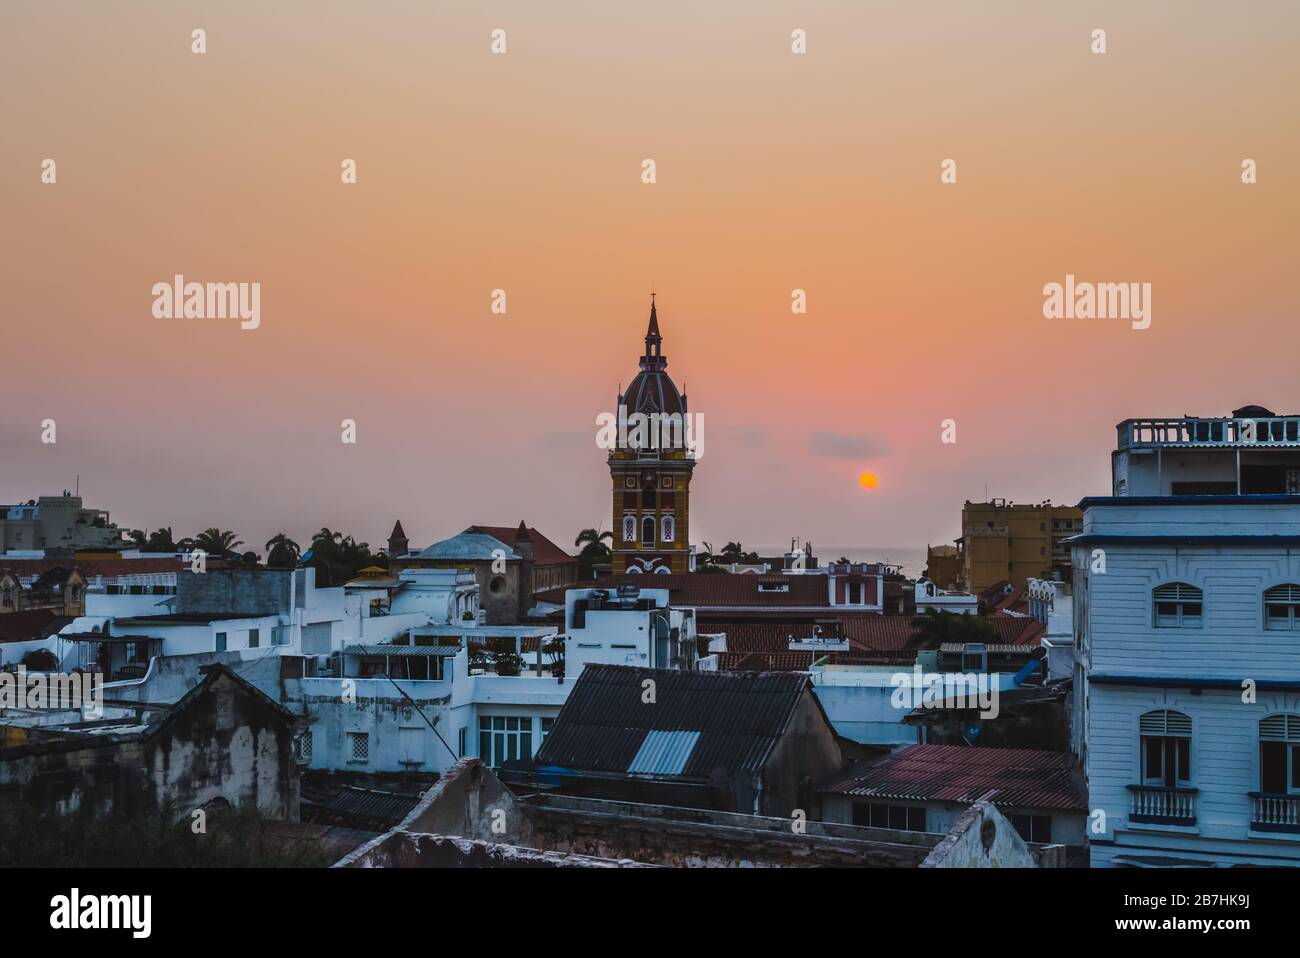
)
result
[(1187, 644)]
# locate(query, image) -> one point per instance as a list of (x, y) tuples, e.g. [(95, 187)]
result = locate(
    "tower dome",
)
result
[(652, 390)]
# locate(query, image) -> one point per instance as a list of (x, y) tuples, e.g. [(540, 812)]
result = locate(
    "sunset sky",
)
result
[(523, 172)]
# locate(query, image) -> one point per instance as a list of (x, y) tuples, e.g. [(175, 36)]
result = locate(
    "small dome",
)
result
[(468, 545), (652, 390)]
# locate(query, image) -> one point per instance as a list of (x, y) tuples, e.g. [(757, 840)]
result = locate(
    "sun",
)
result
[(867, 480)]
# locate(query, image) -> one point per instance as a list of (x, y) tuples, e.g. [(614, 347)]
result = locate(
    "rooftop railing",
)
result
[(1277, 431)]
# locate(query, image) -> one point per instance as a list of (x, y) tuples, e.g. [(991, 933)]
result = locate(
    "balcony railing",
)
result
[(1274, 812), (1210, 433), (1162, 805)]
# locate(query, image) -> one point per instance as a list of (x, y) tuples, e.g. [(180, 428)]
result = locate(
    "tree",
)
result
[(281, 552), (594, 552), (216, 542), (735, 552), (160, 540), (40, 660), (933, 629), (137, 538), (338, 558)]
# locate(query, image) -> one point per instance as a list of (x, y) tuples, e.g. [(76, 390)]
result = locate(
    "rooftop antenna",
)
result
[(78, 484)]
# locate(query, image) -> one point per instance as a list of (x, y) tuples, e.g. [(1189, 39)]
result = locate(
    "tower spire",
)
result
[(653, 340)]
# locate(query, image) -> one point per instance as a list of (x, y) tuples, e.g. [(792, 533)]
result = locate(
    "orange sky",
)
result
[(522, 172)]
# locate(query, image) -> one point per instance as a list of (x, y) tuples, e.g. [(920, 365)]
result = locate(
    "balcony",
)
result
[(1162, 805), (1274, 812), (1192, 433)]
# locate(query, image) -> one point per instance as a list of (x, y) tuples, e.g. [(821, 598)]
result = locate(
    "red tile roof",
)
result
[(95, 567), (868, 633), (765, 661), (721, 590), (1021, 777), (28, 625), (545, 552)]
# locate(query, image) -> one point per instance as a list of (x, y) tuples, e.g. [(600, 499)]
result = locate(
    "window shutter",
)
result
[(1177, 592), (1280, 728), (1289, 594), (1165, 722)]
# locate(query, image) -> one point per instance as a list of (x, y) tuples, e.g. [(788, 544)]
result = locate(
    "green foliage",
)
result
[(281, 552), (934, 629), (234, 838), (40, 660), (217, 542), (338, 558), (594, 552)]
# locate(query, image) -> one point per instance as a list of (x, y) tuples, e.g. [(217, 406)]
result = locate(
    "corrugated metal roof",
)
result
[(1023, 777), (738, 717), (663, 753)]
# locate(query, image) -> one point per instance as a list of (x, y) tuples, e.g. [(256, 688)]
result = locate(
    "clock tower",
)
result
[(650, 467)]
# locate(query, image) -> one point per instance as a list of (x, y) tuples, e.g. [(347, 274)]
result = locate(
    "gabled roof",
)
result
[(701, 725), (1022, 777), (545, 552)]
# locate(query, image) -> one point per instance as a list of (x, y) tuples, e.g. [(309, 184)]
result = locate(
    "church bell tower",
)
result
[(650, 467)]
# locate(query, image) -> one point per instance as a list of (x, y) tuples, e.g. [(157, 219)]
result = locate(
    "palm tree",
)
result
[(216, 542), (594, 551), (281, 552), (160, 540)]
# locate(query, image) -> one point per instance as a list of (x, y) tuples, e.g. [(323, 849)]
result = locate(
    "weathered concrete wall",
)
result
[(405, 850), (241, 591), (983, 838), (225, 744), (806, 754), (470, 802)]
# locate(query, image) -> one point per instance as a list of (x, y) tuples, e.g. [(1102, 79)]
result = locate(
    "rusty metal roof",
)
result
[(1021, 777)]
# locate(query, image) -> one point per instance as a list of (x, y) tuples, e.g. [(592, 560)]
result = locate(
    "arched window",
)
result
[(1177, 605), (1166, 748), (648, 530), (1279, 754), (648, 495), (1282, 607), (629, 528), (669, 529)]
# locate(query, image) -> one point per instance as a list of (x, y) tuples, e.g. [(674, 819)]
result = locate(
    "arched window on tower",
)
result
[(648, 531), (629, 528), (669, 529)]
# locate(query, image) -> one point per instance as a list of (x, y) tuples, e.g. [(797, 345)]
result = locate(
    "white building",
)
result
[(931, 598), (1051, 602), (1187, 613)]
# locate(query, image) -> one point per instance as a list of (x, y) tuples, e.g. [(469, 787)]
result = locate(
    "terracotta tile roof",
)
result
[(95, 567), (545, 552), (721, 590), (765, 661), (28, 625), (1021, 777), (869, 634)]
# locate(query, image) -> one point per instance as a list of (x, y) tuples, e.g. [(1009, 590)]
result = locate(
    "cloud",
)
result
[(839, 446)]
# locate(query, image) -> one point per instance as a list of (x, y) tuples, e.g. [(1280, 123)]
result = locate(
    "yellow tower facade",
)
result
[(650, 467)]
